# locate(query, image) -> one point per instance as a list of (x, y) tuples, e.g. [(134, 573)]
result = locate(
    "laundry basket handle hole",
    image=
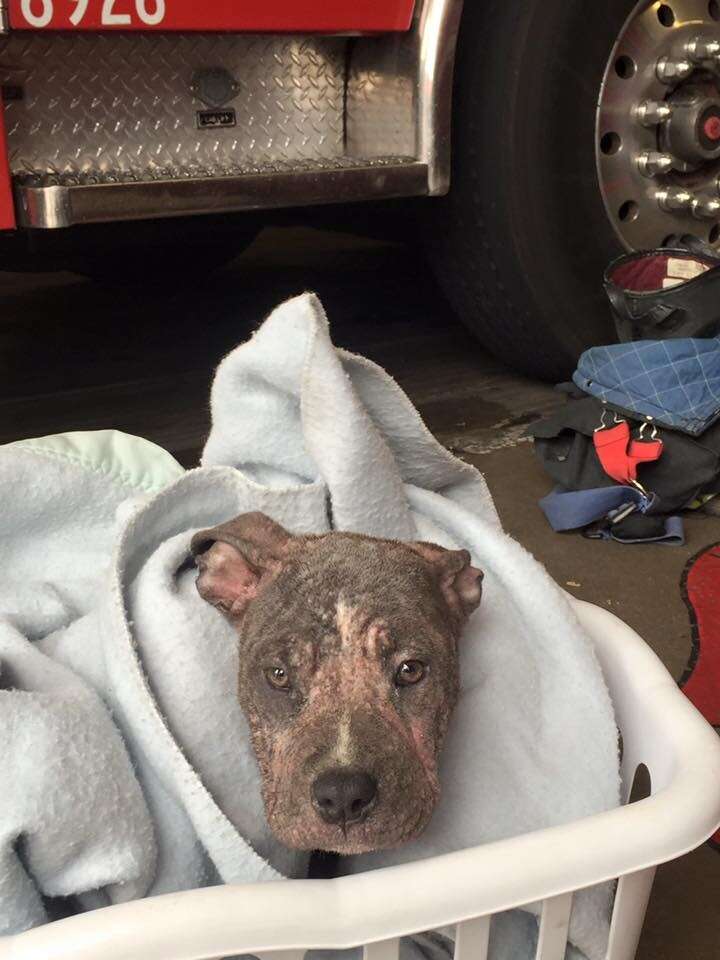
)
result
[(641, 787)]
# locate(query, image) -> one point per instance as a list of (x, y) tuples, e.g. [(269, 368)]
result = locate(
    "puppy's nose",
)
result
[(344, 795)]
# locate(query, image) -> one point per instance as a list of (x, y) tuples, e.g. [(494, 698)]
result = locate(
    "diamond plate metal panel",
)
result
[(115, 104), (381, 97)]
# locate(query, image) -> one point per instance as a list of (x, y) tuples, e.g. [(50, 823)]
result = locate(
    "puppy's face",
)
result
[(348, 673)]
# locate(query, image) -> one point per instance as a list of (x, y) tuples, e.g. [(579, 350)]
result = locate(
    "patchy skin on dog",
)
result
[(348, 673)]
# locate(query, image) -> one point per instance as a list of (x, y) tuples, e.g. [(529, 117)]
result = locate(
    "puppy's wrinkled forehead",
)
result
[(351, 595), (253, 569)]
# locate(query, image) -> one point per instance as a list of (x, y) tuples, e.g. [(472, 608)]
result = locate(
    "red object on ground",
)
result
[(7, 208), (277, 16), (700, 588), (711, 128)]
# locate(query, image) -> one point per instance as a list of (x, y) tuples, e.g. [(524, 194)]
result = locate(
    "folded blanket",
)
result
[(119, 681)]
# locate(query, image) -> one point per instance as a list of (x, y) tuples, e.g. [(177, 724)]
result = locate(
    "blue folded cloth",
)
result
[(676, 383)]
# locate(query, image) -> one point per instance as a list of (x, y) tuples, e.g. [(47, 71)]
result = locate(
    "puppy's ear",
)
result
[(237, 560), (461, 583)]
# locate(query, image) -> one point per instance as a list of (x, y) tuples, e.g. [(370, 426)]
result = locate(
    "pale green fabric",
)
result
[(121, 457)]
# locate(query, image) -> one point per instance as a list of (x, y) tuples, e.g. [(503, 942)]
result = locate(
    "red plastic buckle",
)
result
[(643, 451), (611, 446), (620, 456)]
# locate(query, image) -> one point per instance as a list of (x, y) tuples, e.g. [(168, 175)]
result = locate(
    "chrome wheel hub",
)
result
[(658, 125)]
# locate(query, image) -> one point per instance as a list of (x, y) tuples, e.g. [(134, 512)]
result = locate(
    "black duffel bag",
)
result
[(688, 468)]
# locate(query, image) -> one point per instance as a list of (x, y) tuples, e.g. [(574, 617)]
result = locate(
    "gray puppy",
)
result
[(348, 673)]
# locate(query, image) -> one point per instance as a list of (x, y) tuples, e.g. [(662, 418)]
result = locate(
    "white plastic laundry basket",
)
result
[(660, 729)]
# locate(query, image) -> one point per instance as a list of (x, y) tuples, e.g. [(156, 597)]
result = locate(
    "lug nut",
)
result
[(706, 208), (701, 48), (651, 163), (651, 112), (672, 199), (670, 71)]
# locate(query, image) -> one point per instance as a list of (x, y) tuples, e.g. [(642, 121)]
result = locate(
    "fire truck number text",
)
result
[(40, 13)]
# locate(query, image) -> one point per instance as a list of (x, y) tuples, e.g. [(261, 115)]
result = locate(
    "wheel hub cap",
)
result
[(711, 127), (658, 124)]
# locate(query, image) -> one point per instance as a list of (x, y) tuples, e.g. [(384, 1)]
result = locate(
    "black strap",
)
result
[(628, 321), (661, 313)]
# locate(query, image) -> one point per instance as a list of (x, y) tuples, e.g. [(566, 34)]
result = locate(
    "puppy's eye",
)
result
[(409, 672), (277, 677)]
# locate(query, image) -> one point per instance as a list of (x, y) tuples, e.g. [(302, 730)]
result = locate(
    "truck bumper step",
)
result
[(51, 201)]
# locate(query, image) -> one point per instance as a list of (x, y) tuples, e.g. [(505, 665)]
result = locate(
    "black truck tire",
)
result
[(522, 239)]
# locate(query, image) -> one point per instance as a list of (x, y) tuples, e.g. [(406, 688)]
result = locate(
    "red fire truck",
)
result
[(544, 135)]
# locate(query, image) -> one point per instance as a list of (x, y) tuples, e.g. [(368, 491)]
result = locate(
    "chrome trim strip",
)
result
[(437, 32), (50, 207), (47, 207)]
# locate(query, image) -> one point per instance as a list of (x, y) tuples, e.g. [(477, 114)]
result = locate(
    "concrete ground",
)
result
[(77, 355)]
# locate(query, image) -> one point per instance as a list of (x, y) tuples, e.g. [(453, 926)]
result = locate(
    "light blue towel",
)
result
[(132, 772)]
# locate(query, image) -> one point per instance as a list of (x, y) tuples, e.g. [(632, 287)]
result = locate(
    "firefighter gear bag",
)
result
[(666, 293)]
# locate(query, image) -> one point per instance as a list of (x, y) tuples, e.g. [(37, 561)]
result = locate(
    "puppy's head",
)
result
[(348, 673)]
